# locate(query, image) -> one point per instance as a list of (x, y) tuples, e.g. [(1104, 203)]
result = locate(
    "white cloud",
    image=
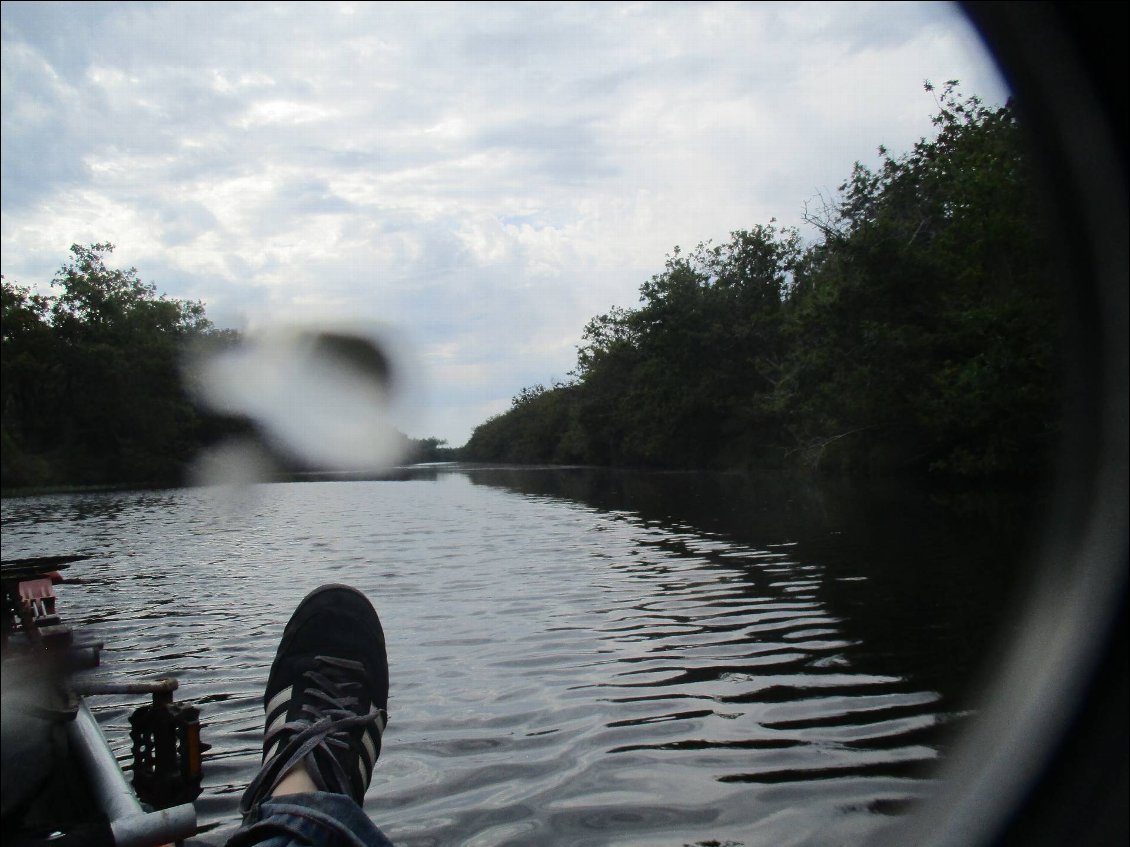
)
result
[(489, 176)]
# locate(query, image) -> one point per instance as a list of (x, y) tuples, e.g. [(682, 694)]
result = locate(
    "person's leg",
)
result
[(321, 818), (326, 707)]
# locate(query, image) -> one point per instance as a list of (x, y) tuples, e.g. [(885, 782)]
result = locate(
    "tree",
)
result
[(926, 320), (917, 333), (92, 389), (28, 372)]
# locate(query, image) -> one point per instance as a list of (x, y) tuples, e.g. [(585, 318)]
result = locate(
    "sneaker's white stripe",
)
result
[(280, 700), (369, 761), (275, 724), (370, 748), (277, 704)]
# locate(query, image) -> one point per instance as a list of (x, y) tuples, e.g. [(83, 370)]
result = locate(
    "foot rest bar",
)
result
[(131, 824), (150, 828)]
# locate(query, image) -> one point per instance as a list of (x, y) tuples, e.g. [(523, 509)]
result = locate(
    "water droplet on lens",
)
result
[(322, 398)]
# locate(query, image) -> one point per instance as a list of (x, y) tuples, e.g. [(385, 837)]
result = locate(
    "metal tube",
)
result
[(165, 685), (161, 827), (131, 824), (107, 782)]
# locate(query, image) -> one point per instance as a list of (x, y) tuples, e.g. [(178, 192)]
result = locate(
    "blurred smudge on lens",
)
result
[(319, 397)]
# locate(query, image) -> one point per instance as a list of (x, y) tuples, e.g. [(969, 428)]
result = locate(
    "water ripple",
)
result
[(559, 673)]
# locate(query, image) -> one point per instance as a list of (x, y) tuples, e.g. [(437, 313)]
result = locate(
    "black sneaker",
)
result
[(327, 697)]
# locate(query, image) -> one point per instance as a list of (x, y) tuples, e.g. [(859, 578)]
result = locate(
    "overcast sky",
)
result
[(485, 177)]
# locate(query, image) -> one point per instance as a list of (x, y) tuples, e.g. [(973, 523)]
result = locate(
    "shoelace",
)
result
[(326, 722)]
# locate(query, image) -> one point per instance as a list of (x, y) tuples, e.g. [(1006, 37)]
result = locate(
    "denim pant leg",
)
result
[(318, 818)]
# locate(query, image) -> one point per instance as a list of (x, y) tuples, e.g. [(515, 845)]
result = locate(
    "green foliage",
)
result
[(926, 318), (918, 332), (540, 427), (91, 388), (676, 382), (429, 450)]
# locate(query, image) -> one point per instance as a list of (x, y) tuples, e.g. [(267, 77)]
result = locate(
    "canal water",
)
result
[(577, 656)]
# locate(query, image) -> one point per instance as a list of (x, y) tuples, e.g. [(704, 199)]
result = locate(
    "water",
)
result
[(577, 657)]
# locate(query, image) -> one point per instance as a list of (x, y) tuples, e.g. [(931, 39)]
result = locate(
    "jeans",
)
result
[(318, 818)]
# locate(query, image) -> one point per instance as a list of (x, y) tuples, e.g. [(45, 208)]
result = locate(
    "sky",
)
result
[(481, 179)]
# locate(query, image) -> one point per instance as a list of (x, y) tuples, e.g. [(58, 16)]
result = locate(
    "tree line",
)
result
[(92, 391), (917, 332)]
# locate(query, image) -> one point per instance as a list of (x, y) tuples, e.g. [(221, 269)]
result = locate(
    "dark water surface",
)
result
[(577, 656)]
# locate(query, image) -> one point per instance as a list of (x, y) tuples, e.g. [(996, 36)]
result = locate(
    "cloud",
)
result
[(487, 176)]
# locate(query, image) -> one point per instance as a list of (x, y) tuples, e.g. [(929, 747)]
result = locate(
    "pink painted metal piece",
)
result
[(39, 595)]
